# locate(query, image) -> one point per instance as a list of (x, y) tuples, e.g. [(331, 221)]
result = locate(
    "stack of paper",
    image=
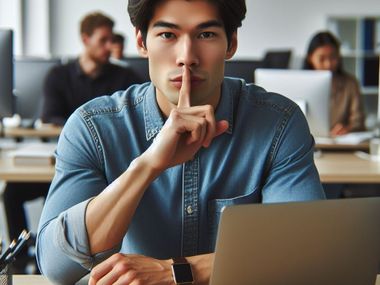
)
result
[(353, 138), (348, 139), (37, 154)]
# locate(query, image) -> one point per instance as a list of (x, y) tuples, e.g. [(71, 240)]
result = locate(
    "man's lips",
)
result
[(194, 81), (193, 78)]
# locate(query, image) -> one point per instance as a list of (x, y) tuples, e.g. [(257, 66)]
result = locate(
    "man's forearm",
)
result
[(109, 214)]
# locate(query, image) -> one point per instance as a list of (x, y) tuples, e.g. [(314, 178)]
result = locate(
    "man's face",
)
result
[(117, 50), (188, 33), (98, 45)]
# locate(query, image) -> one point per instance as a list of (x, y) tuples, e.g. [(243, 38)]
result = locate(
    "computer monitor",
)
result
[(242, 69), (140, 66), (6, 73), (30, 74), (277, 59), (310, 89)]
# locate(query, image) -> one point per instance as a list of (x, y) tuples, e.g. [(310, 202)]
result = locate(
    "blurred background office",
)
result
[(275, 34)]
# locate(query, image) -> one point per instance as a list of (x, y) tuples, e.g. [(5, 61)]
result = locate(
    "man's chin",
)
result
[(103, 61)]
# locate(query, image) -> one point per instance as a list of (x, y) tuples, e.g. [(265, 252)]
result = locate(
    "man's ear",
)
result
[(85, 38), (140, 44), (233, 46)]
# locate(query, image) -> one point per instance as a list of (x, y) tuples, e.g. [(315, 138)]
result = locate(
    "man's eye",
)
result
[(167, 35), (206, 35)]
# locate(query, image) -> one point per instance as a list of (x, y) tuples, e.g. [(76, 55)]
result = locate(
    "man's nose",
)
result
[(187, 53)]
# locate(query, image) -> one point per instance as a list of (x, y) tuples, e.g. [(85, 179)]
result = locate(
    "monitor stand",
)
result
[(27, 123)]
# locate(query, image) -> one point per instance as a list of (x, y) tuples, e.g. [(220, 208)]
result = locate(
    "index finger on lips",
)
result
[(184, 92)]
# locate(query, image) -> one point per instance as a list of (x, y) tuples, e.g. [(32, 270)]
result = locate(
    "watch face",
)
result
[(182, 273)]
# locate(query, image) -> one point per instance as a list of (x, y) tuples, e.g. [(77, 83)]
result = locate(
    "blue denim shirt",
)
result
[(265, 156)]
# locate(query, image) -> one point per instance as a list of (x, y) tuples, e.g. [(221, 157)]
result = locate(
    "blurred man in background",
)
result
[(87, 77), (117, 47)]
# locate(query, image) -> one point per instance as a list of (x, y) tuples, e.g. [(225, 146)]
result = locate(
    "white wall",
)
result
[(36, 23), (10, 18)]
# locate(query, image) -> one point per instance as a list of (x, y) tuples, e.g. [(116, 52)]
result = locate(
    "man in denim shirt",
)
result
[(146, 172)]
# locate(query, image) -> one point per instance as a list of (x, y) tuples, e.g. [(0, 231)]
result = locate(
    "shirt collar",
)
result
[(78, 69), (152, 115), (227, 103), (224, 111)]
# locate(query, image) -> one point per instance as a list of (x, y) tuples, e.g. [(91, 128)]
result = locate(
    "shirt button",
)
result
[(189, 210)]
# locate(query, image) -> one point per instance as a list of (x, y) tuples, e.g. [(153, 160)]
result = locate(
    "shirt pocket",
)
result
[(215, 208)]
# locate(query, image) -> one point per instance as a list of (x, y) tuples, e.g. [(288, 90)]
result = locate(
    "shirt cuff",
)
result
[(71, 237)]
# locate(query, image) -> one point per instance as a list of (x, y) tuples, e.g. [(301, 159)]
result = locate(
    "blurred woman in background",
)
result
[(346, 107)]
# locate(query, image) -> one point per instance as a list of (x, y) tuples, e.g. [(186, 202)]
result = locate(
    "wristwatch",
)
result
[(181, 269)]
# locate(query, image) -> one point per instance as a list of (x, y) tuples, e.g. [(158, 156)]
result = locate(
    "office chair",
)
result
[(140, 67), (242, 69), (30, 74), (277, 59)]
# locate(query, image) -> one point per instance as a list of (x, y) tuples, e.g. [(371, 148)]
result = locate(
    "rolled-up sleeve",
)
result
[(63, 251)]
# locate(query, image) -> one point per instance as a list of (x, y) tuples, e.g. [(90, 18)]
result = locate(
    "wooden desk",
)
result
[(333, 167), (40, 280), (346, 167), (43, 132), (336, 147), (14, 173)]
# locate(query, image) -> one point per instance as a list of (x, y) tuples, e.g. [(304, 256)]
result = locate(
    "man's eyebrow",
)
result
[(163, 24), (205, 25), (210, 24)]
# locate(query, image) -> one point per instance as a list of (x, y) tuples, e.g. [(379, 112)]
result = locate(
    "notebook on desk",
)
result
[(325, 242), (34, 154), (347, 139)]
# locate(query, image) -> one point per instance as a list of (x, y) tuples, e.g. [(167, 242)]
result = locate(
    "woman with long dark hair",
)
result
[(346, 108)]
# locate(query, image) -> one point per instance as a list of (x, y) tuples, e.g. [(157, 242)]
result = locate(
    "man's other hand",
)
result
[(132, 269)]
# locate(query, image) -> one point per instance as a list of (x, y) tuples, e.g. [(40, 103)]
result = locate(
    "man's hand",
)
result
[(186, 130), (138, 269), (132, 269)]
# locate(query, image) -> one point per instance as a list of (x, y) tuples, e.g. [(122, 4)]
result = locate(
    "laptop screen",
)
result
[(323, 242)]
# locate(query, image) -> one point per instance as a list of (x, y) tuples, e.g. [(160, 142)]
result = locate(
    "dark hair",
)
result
[(232, 13), (322, 39), (118, 38), (93, 21)]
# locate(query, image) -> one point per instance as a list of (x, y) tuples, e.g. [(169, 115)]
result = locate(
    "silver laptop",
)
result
[(328, 242)]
